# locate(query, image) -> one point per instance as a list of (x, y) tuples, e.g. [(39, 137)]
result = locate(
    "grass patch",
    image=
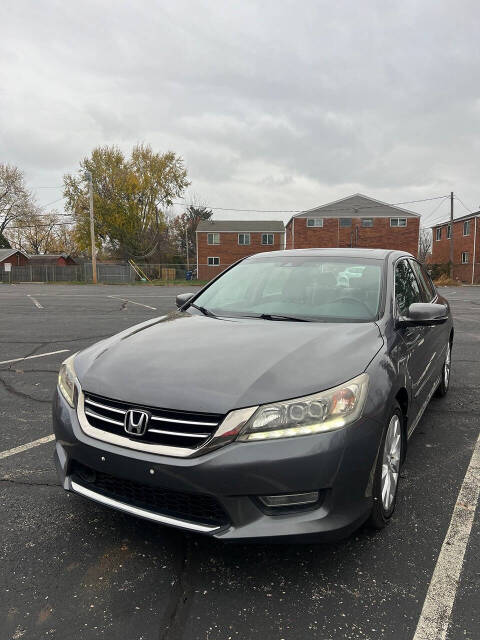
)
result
[(446, 281)]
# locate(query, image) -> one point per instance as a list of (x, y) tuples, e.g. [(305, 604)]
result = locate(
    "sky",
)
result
[(273, 104)]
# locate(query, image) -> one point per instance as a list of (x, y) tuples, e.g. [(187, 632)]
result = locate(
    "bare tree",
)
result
[(424, 244), (38, 233), (15, 199)]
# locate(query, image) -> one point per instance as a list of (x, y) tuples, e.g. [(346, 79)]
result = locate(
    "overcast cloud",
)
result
[(272, 104)]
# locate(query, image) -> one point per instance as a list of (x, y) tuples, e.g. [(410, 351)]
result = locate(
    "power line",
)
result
[(435, 208), (58, 186), (34, 226), (463, 205), (351, 208), (52, 202)]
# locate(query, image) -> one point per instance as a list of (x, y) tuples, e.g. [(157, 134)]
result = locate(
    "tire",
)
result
[(442, 388), (387, 471)]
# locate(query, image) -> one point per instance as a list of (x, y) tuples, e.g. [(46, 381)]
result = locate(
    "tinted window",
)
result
[(428, 280), (314, 288), (407, 290), (424, 288)]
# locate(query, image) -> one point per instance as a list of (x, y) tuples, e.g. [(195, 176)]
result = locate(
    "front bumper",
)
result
[(339, 465)]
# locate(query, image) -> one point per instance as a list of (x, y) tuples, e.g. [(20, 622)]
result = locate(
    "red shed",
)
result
[(15, 257), (52, 259)]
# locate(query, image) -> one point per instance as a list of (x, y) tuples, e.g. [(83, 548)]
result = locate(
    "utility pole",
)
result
[(186, 245), (451, 234), (92, 228)]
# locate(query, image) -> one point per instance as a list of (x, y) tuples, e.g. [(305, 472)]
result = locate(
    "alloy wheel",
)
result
[(391, 462), (446, 366)]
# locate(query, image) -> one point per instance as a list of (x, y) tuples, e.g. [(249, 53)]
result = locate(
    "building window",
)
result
[(212, 262), (213, 238), (267, 238), (449, 232), (464, 257), (345, 222), (438, 233), (466, 228), (314, 222), (243, 238), (367, 222), (398, 222)]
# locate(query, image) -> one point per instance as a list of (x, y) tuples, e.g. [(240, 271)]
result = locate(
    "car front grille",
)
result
[(196, 508), (166, 427)]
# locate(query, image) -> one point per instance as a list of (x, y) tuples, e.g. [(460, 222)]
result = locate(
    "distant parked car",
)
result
[(273, 403)]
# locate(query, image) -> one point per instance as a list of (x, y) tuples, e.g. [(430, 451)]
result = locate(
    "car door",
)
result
[(435, 335), (417, 340)]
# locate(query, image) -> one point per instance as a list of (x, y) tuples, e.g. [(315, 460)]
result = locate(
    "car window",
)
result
[(314, 288), (428, 281), (407, 290), (424, 289)]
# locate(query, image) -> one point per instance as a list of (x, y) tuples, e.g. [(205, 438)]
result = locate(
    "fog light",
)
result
[(290, 499)]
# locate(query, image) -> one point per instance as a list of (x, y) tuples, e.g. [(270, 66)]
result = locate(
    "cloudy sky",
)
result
[(273, 104)]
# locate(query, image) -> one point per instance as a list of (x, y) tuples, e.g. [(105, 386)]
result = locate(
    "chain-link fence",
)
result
[(122, 273)]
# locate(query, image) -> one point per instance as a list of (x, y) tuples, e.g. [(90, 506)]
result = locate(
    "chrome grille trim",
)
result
[(104, 406), (137, 511), (201, 424), (179, 433), (232, 422), (97, 416)]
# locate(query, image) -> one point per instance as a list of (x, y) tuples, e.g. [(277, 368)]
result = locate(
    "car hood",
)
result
[(197, 363)]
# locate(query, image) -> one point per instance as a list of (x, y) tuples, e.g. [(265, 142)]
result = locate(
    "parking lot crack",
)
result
[(20, 394), (29, 484), (175, 616)]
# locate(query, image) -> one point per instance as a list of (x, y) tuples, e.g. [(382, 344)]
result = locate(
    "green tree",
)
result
[(129, 198)]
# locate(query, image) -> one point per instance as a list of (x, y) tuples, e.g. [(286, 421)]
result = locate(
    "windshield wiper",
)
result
[(206, 312), (276, 316)]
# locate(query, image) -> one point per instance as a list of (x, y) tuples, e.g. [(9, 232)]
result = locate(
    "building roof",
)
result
[(269, 226), (356, 206), (49, 258), (469, 216), (6, 253)]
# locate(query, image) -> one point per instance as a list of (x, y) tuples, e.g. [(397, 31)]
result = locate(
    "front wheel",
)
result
[(385, 485), (446, 371)]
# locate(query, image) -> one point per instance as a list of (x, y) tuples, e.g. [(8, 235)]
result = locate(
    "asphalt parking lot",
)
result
[(73, 569)]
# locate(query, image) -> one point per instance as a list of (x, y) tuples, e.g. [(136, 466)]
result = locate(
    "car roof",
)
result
[(375, 254)]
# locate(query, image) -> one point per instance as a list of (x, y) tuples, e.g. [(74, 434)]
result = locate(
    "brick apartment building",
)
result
[(466, 247), (355, 221), (220, 243)]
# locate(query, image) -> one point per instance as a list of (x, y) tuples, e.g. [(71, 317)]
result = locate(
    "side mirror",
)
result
[(425, 314), (183, 298)]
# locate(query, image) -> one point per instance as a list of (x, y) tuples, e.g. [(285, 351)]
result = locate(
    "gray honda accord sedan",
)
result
[(278, 401)]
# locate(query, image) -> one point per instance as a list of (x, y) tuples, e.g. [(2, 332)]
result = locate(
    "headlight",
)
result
[(66, 380), (324, 411)]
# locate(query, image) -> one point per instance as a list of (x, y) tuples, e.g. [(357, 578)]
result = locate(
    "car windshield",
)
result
[(308, 288)]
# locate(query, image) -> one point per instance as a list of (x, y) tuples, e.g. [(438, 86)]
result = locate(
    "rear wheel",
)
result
[(446, 371), (387, 472)]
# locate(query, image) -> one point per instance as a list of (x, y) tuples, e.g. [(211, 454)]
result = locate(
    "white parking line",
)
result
[(25, 447), (35, 301), (437, 608), (140, 304), (39, 355)]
